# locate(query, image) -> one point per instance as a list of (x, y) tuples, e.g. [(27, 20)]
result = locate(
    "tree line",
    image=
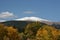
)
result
[(32, 31)]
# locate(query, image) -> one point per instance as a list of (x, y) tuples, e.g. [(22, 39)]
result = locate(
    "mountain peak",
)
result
[(31, 19)]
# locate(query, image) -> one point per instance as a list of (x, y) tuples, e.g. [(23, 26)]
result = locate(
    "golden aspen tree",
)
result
[(12, 33)]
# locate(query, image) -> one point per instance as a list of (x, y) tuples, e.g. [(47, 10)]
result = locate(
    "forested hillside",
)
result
[(32, 31)]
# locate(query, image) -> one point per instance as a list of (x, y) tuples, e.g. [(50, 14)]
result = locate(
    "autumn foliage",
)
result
[(48, 33), (32, 31), (8, 33)]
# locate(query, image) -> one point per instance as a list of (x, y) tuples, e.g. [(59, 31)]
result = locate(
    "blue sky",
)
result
[(47, 9)]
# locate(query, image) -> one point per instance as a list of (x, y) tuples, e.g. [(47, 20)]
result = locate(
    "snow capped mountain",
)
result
[(2, 20), (31, 19)]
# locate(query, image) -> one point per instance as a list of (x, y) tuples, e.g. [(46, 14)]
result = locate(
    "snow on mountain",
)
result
[(31, 19), (2, 20)]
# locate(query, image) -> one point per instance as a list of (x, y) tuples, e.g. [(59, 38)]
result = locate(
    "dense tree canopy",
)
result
[(8, 33), (32, 31)]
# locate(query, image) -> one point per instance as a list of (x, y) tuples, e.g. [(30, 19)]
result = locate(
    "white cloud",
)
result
[(28, 12), (6, 14)]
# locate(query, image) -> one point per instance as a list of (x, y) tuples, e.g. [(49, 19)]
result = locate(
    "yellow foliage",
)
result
[(8, 33), (47, 33)]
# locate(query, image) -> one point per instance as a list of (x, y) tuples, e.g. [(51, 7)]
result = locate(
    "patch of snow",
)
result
[(2, 20), (31, 19)]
